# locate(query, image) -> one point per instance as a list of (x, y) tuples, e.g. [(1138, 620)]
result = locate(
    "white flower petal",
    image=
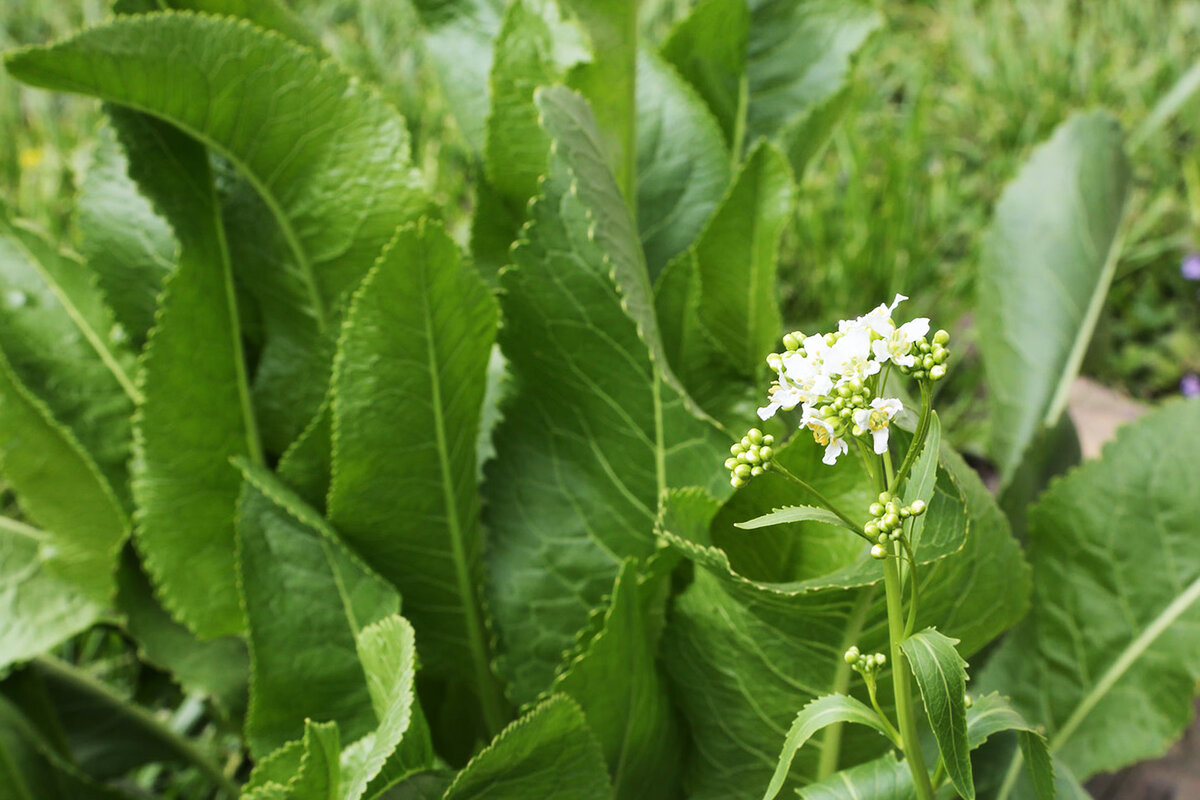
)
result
[(881, 439), (834, 449), (915, 328), (768, 411)]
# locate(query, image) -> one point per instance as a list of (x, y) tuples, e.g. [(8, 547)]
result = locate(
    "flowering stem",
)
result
[(820, 498), (911, 625), (905, 713), (918, 441)]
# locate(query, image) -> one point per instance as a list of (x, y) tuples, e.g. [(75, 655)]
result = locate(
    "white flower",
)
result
[(877, 418), (850, 356), (897, 345), (807, 374), (878, 320), (826, 435), (783, 395)]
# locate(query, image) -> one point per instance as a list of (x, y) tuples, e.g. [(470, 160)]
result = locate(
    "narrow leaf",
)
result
[(306, 599), (1119, 635), (549, 752), (1047, 261), (813, 717), (941, 675), (409, 378), (781, 516)]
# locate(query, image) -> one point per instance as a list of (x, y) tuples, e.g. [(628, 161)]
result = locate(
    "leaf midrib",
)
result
[(475, 633)]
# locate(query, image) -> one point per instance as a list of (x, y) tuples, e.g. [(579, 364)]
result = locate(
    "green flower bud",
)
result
[(741, 471), (790, 341), (891, 507), (882, 538), (737, 482), (890, 521), (878, 551), (766, 452), (885, 497), (922, 346), (941, 337), (745, 443), (756, 471), (938, 372), (775, 362), (856, 386), (736, 449), (754, 435), (846, 413), (967, 701), (751, 456), (871, 528), (917, 507), (905, 513), (876, 510), (927, 362), (851, 655), (880, 659), (768, 439), (857, 400), (918, 374), (730, 463)]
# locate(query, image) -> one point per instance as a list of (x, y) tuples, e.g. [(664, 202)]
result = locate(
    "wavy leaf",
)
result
[(307, 599), (941, 675), (1047, 261), (1106, 633), (615, 680), (549, 752), (409, 378), (824, 711), (585, 396)]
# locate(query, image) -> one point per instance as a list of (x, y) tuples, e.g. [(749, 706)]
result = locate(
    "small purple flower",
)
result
[(1190, 385), (1190, 268)]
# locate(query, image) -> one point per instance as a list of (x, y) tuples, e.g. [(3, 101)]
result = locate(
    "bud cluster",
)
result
[(750, 457), (865, 664), (887, 521), (929, 358)]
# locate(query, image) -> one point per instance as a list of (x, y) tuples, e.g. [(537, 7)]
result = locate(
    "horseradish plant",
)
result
[(346, 495)]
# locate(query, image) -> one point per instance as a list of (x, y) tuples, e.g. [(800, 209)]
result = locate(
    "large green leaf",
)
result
[(547, 753), (409, 378), (682, 164), (125, 243), (1047, 261), (330, 163), (820, 713), (591, 432), (941, 675), (1115, 623), (798, 56), (718, 301), (60, 341), (307, 599), (83, 525), (609, 82), (992, 714), (196, 412), (745, 649), (708, 48), (615, 680)]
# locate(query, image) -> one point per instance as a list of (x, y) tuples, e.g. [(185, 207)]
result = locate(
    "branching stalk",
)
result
[(816, 495)]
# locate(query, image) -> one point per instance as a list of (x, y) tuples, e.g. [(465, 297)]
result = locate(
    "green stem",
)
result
[(887, 723), (820, 498), (911, 624), (143, 719), (918, 441), (939, 773), (905, 712)]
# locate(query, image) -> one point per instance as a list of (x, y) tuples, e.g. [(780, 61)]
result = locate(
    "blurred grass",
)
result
[(951, 96)]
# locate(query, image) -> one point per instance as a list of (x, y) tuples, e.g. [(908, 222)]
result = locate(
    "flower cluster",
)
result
[(832, 376), (864, 663), (887, 521), (750, 457)]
